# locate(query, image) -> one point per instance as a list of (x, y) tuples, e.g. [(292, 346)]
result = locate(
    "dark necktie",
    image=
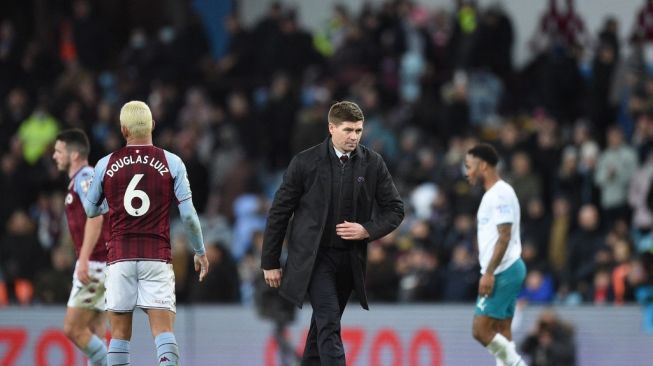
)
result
[(344, 158)]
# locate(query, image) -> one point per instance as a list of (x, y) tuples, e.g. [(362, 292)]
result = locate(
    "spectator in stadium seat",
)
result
[(38, 131), (640, 200), (20, 257), (382, 279), (561, 223), (222, 284), (538, 287), (526, 182), (461, 276), (583, 245), (615, 167), (551, 342)]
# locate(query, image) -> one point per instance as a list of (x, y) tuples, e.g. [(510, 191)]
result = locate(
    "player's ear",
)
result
[(74, 155), (125, 131)]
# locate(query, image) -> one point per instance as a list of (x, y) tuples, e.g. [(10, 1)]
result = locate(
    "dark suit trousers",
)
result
[(330, 287)]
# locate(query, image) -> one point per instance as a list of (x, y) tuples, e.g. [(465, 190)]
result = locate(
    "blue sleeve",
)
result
[(192, 225), (82, 184), (179, 176), (186, 209), (95, 204)]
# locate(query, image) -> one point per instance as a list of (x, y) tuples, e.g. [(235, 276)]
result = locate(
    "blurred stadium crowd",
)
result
[(574, 127)]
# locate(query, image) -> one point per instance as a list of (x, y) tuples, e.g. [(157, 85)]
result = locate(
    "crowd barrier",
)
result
[(388, 335)]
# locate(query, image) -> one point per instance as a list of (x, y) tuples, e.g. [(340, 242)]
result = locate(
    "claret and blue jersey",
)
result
[(139, 184)]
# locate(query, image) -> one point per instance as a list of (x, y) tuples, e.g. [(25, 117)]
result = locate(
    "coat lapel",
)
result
[(323, 164), (360, 165)]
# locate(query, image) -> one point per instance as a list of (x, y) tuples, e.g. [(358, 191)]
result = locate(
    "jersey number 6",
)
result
[(132, 193)]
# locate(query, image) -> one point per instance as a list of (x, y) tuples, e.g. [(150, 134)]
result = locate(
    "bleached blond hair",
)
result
[(136, 117)]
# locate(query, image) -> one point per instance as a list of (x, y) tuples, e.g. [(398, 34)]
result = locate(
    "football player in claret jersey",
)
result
[(84, 323), (140, 182)]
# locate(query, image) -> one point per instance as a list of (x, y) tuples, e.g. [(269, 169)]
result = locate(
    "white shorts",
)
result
[(89, 296), (143, 284)]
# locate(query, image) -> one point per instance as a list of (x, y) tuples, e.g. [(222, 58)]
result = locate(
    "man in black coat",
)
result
[(342, 196)]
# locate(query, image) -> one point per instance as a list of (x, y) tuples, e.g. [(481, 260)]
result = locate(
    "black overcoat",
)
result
[(305, 193)]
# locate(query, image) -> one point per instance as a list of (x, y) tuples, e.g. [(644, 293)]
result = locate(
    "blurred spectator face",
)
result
[(546, 139), (535, 208), (460, 255), (81, 9), (238, 105), (569, 160), (8, 165), (534, 279), (615, 137), (426, 158), (112, 142), (637, 274), (521, 164), (589, 152), (508, 135), (17, 99), (560, 207), (280, 86), (6, 31), (61, 156), (606, 54), (581, 133), (104, 111), (409, 140), (529, 251), (603, 256), (231, 24), (644, 125), (62, 259), (369, 98), (19, 224), (420, 230), (621, 251), (602, 279), (138, 38), (72, 114), (375, 254), (588, 217), (463, 222), (57, 202)]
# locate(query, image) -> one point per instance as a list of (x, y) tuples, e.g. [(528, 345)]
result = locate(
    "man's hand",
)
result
[(201, 265), (486, 285), (351, 231), (82, 271), (272, 277)]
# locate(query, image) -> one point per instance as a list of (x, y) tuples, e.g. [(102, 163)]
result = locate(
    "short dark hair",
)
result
[(345, 112), (76, 140), (485, 152)]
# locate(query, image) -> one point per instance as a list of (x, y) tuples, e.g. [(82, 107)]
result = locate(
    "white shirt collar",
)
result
[(339, 154)]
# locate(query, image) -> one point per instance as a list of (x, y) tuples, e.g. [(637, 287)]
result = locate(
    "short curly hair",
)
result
[(485, 152)]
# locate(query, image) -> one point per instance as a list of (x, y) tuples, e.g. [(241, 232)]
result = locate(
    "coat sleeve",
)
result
[(390, 211), (283, 207)]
